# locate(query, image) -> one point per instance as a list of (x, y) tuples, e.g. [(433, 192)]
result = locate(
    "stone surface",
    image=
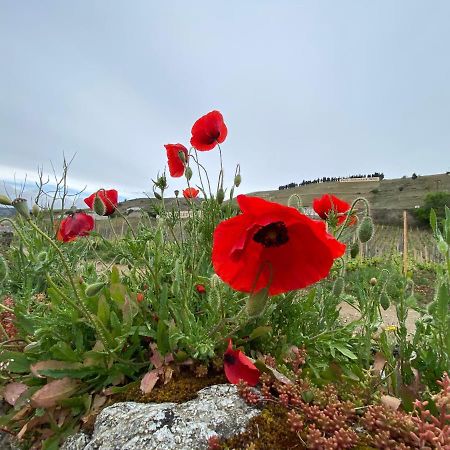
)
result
[(7, 441), (218, 410)]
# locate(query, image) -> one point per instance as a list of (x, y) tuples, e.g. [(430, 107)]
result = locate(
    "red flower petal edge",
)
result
[(328, 204), (176, 165), (272, 245), (190, 192), (109, 197), (77, 224), (208, 131), (238, 367)]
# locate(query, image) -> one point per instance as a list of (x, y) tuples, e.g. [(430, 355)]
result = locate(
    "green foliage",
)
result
[(436, 201)]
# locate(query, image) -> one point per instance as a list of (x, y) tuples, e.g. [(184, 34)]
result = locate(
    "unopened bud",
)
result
[(35, 210), (182, 156), (365, 231), (442, 246), (384, 299), (237, 180), (220, 196), (21, 206), (99, 206), (354, 250), (93, 289), (256, 303), (157, 196), (188, 173), (373, 281), (3, 269), (4, 200), (338, 286), (42, 256)]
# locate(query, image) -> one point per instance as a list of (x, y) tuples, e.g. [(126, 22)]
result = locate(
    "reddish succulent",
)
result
[(239, 367), (274, 246), (190, 192), (174, 161), (329, 206), (110, 199), (74, 225), (208, 131)]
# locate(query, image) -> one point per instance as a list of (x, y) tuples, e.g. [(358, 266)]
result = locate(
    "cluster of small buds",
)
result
[(387, 424), (269, 361), (288, 394), (343, 438), (295, 421), (296, 359), (201, 371), (249, 394), (214, 443), (434, 432), (266, 385), (7, 318), (329, 419), (40, 297), (217, 364)]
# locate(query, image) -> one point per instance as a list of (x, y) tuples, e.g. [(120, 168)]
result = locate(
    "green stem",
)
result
[(350, 212)]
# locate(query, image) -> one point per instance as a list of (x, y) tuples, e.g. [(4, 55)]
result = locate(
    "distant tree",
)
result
[(414, 176), (436, 200)]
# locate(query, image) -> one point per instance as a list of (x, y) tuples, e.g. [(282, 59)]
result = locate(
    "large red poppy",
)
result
[(272, 245), (77, 224), (110, 199), (190, 192), (176, 164), (329, 205), (238, 367), (208, 131)]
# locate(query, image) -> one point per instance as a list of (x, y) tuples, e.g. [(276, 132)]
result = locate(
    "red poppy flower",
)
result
[(272, 245), (109, 197), (238, 367), (190, 193), (200, 288), (139, 297), (329, 205), (176, 164), (208, 131), (77, 224)]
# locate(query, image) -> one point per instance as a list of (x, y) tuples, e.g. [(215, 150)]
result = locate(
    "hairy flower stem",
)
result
[(199, 165), (96, 324), (350, 212)]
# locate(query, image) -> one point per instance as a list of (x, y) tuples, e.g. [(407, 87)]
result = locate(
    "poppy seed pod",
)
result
[(35, 210), (338, 286), (3, 269), (4, 200), (21, 206), (237, 180), (384, 299), (99, 206), (176, 192), (365, 230), (373, 281), (220, 196), (188, 173), (93, 289), (256, 304), (354, 250)]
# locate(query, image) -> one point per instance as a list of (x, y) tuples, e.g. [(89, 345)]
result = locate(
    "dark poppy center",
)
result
[(229, 359), (272, 235)]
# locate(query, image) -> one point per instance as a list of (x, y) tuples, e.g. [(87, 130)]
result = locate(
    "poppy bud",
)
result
[(220, 196), (42, 256), (365, 231), (182, 156), (442, 246), (21, 206), (237, 180), (188, 173), (4, 200), (99, 206), (157, 196), (35, 210), (3, 269), (338, 286), (384, 300), (93, 289), (257, 302), (354, 250), (373, 281), (139, 297)]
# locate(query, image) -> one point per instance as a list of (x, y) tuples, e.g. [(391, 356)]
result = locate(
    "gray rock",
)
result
[(218, 410)]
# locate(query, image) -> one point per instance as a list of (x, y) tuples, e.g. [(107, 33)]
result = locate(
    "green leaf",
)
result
[(433, 220), (115, 275), (17, 361), (103, 310), (259, 332), (345, 351)]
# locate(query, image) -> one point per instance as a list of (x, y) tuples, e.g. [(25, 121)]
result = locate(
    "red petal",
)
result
[(239, 367), (176, 165), (209, 130)]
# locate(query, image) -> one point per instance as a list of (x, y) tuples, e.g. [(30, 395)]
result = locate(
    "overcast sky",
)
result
[(307, 88)]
